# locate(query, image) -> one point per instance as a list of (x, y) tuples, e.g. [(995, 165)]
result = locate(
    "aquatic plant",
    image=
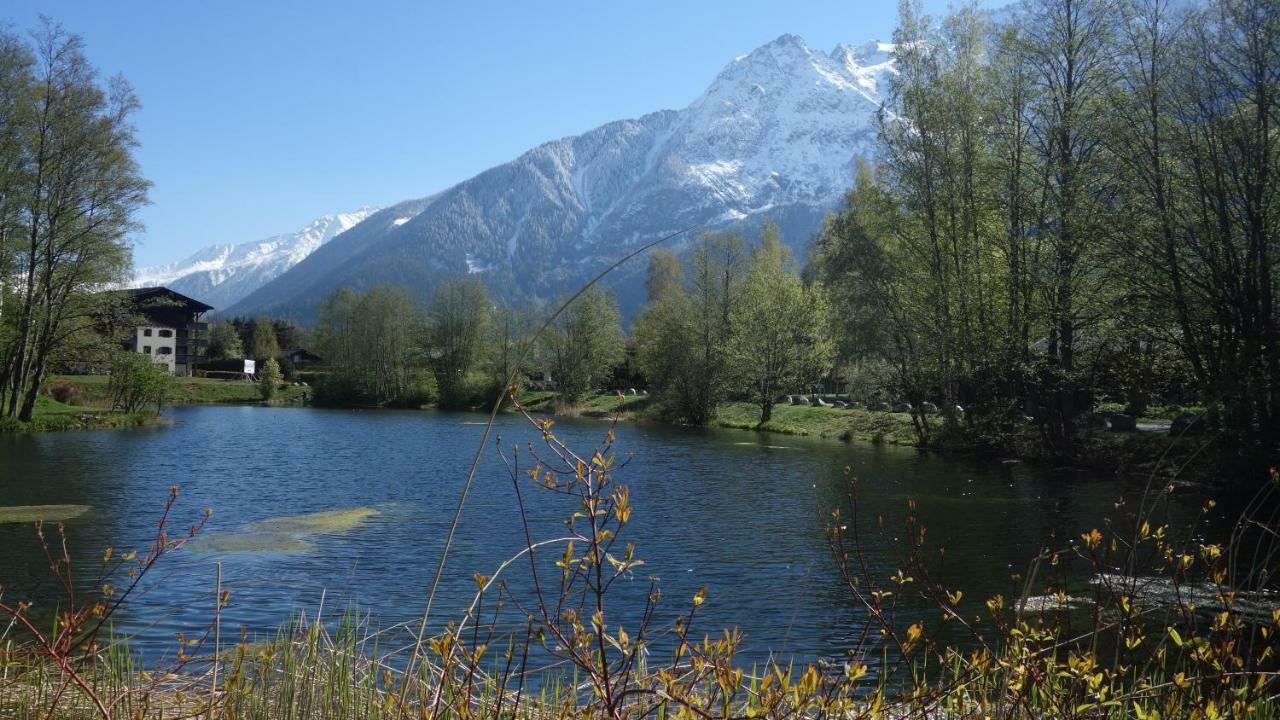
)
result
[(289, 533), (40, 513), (39, 668)]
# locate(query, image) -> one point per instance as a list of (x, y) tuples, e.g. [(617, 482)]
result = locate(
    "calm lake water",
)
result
[(740, 512)]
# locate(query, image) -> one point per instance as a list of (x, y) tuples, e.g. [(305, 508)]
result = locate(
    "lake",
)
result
[(739, 512)]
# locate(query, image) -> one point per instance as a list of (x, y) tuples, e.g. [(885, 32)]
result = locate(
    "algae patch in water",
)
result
[(287, 534), (40, 513)]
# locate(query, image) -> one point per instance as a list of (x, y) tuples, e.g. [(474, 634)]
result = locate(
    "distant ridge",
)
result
[(221, 275)]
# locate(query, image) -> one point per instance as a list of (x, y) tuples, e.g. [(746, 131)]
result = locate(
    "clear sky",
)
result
[(260, 116)]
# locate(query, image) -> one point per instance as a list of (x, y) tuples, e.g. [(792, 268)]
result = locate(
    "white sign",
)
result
[(248, 367)]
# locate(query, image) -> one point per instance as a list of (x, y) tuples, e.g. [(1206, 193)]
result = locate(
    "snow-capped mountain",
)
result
[(774, 136), (221, 275)]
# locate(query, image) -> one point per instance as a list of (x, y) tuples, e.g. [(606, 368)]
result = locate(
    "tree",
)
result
[(1215, 238), (135, 381), (508, 332), (262, 342), (224, 342), (585, 343), (269, 379), (70, 191), (682, 339), (457, 320), (779, 326), (1068, 44), (665, 275), (372, 344)]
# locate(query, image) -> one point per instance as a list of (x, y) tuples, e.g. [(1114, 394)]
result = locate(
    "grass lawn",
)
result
[(51, 415), (189, 391), (1132, 453), (825, 422)]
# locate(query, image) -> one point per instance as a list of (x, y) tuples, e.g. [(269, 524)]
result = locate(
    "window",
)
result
[(146, 332), (164, 351), (166, 333), (146, 349)]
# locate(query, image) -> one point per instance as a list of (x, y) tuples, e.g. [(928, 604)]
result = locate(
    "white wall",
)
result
[(162, 349)]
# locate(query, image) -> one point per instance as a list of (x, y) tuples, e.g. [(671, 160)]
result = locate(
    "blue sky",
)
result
[(259, 116)]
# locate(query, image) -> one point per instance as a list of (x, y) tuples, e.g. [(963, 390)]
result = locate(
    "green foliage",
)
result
[(371, 343), (683, 338), (1061, 217), (136, 382), (779, 327), (508, 333), (224, 342), (665, 276), (871, 380), (457, 322), (262, 342), (69, 188), (269, 378), (584, 344)]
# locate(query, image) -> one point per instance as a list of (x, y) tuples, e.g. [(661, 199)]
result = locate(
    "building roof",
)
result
[(151, 293)]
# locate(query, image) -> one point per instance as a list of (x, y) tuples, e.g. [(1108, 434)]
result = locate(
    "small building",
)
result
[(302, 357), (170, 328)]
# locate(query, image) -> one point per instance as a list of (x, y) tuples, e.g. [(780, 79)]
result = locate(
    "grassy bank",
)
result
[(52, 416), (189, 391), (1135, 453)]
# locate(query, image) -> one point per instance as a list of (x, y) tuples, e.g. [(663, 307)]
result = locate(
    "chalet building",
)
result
[(170, 330)]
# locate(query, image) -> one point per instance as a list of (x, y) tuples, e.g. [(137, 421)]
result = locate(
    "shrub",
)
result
[(66, 392), (136, 381), (269, 379), (287, 368)]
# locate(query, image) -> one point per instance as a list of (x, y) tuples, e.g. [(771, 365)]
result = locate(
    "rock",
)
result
[(1188, 424), (644, 392), (902, 407), (799, 400), (1124, 423), (840, 404), (959, 410), (928, 408), (853, 404), (880, 407), (631, 392), (818, 402)]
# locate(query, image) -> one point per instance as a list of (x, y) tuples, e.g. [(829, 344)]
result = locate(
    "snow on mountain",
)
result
[(221, 275), (773, 136)]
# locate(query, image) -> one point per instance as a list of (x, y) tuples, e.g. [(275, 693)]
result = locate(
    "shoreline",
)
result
[(1138, 453), (1144, 453)]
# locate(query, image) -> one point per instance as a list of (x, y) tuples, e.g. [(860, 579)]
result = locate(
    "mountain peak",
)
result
[(785, 49), (774, 135), (872, 52)]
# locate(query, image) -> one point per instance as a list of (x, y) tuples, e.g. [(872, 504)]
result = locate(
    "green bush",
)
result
[(136, 381), (269, 379)]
